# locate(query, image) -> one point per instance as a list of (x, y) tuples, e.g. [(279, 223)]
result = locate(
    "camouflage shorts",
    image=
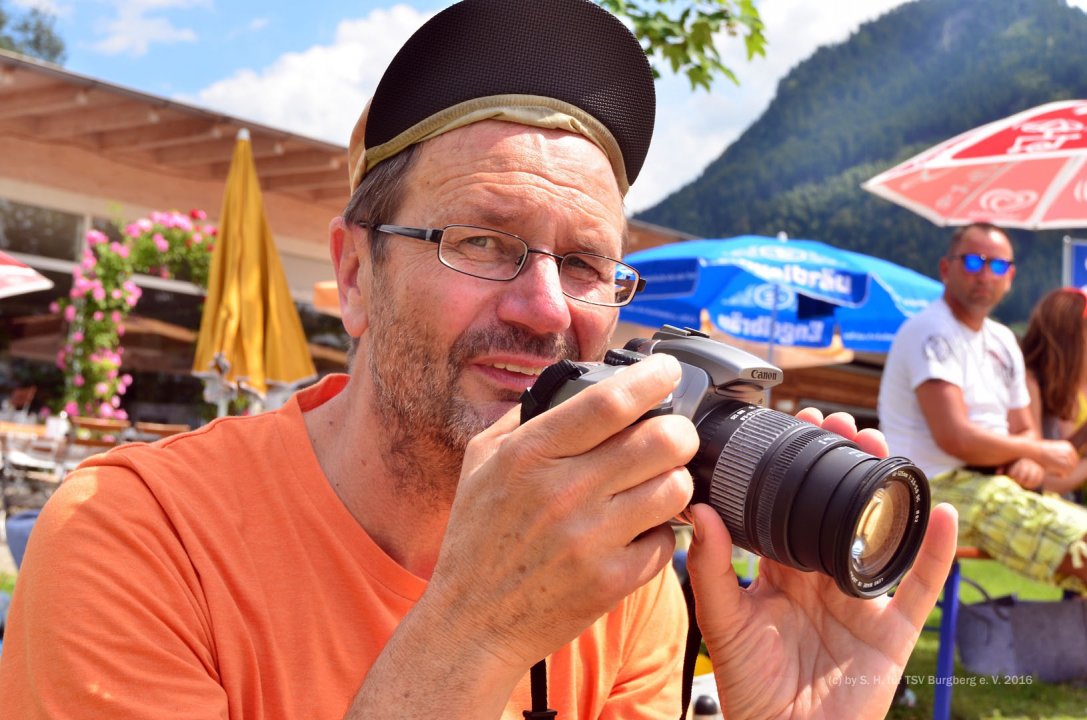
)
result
[(1029, 532)]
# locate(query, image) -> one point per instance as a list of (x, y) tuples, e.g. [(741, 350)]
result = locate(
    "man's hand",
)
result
[(1057, 456), (793, 645), (558, 519), (1029, 474)]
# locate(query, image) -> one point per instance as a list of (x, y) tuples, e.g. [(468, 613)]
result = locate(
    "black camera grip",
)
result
[(538, 397)]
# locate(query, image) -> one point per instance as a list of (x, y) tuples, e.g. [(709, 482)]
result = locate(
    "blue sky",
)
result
[(309, 66)]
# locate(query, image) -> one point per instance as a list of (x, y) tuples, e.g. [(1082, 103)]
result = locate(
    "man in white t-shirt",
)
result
[(954, 400)]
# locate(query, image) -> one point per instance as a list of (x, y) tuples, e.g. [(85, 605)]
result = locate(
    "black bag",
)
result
[(1007, 636)]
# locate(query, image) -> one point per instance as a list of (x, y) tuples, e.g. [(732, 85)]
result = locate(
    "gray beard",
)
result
[(426, 423)]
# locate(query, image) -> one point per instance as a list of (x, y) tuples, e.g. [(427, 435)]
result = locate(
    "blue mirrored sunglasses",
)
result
[(974, 263)]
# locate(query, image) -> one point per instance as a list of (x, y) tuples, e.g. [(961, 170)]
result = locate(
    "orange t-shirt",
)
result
[(217, 575)]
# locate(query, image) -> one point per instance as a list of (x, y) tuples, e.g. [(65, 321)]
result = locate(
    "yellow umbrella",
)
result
[(250, 333)]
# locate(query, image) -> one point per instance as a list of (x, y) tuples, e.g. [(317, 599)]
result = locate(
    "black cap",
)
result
[(565, 64)]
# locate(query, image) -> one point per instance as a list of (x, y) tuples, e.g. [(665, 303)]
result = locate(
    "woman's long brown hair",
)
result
[(1053, 348)]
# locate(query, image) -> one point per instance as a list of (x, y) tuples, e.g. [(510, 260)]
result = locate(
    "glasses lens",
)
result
[(597, 279), (973, 263), (487, 254), (998, 266)]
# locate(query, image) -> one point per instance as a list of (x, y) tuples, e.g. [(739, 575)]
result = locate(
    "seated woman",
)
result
[(1055, 351)]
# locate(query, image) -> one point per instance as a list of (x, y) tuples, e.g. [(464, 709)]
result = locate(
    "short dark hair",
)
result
[(379, 196), (985, 227), (376, 201)]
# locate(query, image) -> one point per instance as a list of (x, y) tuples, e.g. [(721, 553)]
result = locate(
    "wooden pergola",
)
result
[(45, 103)]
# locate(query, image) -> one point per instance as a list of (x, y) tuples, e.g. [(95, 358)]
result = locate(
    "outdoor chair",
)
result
[(155, 431), (17, 404), (89, 436), (949, 618), (29, 475)]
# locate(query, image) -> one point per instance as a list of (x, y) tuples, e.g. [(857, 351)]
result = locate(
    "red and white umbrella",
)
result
[(17, 278), (1026, 171)]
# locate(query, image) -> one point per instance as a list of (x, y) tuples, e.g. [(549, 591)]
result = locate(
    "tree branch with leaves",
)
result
[(682, 32)]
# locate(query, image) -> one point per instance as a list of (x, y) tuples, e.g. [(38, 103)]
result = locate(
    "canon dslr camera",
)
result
[(786, 490)]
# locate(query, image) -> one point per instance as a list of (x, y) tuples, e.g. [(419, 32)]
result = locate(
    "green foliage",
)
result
[(33, 34), (684, 38), (918, 75)]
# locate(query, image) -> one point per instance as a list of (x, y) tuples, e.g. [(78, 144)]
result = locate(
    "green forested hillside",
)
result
[(920, 74)]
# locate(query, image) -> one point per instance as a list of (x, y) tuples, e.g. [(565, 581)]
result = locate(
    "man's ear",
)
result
[(349, 247)]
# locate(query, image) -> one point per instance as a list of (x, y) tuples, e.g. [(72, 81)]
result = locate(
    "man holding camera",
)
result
[(954, 399), (393, 543)]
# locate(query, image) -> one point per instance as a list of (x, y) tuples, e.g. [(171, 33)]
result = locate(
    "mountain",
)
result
[(917, 75)]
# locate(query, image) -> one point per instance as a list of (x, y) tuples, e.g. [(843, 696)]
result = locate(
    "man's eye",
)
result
[(480, 241)]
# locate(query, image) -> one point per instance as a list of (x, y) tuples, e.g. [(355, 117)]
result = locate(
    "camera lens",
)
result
[(810, 499)]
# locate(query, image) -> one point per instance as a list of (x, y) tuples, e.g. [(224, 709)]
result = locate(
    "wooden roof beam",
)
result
[(290, 163), (217, 151), (113, 116), (303, 181), (42, 101), (161, 135)]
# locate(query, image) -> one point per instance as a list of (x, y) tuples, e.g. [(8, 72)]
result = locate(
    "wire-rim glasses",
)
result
[(496, 255), (974, 262)]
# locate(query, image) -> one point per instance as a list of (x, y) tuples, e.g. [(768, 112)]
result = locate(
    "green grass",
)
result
[(7, 582), (973, 700)]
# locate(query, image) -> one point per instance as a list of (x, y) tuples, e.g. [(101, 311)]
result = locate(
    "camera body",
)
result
[(785, 489), (712, 373)]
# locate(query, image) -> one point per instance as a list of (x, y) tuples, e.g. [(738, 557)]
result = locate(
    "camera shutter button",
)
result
[(622, 356)]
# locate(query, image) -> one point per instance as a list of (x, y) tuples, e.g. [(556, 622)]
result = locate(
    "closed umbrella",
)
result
[(795, 293), (250, 334), (17, 278), (1026, 171)]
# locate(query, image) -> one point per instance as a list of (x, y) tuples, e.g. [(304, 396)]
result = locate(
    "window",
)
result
[(39, 231)]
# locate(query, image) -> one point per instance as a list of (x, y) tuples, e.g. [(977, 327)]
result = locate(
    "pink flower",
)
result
[(71, 408), (69, 313), (126, 379), (116, 294), (160, 242), (99, 293), (101, 389), (105, 410), (54, 307), (96, 237), (121, 389), (133, 230), (120, 331), (115, 317), (115, 401), (144, 224), (77, 337), (98, 316), (78, 380), (197, 238), (198, 214), (62, 360), (120, 415)]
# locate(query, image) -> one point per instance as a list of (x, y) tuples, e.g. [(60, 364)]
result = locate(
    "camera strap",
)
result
[(538, 679), (538, 674)]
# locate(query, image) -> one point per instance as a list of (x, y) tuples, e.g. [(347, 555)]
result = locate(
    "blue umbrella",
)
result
[(794, 293)]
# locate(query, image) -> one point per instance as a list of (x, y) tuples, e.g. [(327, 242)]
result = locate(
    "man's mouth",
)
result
[(521, 369)]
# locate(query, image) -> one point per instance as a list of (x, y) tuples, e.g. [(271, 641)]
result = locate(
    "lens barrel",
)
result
[(810, 499)]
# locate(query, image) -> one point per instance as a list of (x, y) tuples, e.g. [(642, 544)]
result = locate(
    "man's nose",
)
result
[(534, 299)]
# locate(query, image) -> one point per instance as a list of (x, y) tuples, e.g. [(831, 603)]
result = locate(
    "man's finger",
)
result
[(917, 594), (598, 412)]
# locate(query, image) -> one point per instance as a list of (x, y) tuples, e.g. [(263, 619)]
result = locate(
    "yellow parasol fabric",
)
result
[(250, 333)]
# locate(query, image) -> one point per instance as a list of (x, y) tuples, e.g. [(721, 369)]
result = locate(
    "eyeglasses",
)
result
[(974, 263), (496, 255)]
